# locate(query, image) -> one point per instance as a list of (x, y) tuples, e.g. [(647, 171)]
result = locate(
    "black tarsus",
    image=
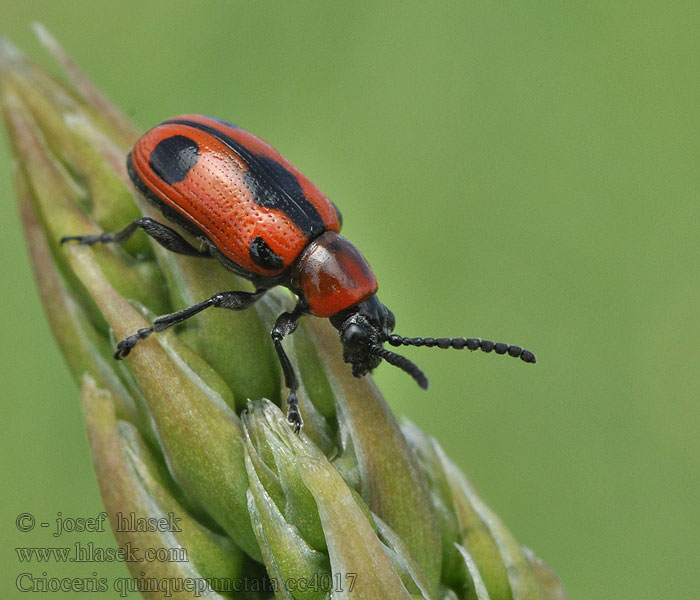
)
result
[(287, 323), (166, 237), (460, 343)]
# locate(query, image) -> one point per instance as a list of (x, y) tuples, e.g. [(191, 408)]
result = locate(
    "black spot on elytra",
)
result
[(273, 186), (263, 256), (173, 157)]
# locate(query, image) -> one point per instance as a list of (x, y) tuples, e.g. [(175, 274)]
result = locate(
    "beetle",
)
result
[(254, 212)]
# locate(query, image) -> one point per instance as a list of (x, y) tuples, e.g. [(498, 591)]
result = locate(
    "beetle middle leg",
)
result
[(230, 300), (287, 323), (166, 237)]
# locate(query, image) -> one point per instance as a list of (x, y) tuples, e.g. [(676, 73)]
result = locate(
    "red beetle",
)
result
[(262, 219)]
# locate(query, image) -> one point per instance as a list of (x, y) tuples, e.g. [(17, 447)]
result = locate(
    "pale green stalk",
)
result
[(190, 425)]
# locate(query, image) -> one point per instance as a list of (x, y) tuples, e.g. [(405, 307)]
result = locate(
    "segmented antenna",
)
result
[(402, 363), (469, 343)]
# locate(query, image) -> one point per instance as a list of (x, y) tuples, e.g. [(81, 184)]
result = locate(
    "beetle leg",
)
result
[(230, 300), (287, 323), (166, 237)]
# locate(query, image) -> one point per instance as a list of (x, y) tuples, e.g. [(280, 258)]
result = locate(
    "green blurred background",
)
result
[(522, 171)]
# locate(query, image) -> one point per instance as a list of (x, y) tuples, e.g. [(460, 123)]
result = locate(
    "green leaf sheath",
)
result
[(190, 427)]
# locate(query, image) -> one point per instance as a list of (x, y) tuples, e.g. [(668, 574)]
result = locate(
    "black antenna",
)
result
[(469, 343), (402, 363)]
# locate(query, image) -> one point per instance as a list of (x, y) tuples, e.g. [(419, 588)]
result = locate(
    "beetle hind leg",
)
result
[(166, 237)]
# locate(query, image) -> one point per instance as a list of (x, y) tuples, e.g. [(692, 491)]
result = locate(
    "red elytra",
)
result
[(222, 198)]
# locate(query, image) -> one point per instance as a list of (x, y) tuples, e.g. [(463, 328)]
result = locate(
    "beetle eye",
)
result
[(353, 335), (389, 320)]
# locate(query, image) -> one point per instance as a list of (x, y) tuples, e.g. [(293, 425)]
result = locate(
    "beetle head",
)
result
[(363, 330)]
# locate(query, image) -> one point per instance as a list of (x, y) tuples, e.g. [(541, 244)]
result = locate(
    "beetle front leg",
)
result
[(287, 323)]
